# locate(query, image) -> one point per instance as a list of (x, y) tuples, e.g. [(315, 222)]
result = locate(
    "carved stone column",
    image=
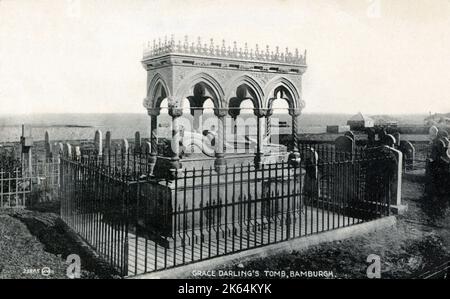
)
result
[(268, 125), (153, 113), (294, 156), (220, 162), (175, 113), (234, 113), (259, 113)]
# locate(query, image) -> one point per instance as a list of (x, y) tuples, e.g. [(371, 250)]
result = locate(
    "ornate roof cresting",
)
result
[(169, 46)]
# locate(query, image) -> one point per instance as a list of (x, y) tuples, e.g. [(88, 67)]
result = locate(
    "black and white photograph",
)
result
[(235, 142)]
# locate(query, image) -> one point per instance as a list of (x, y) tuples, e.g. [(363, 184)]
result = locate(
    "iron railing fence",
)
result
[(141, 224), (327, 152), (20, 187)]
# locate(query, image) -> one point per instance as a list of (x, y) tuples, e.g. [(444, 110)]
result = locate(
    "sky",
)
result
[(83, 56)]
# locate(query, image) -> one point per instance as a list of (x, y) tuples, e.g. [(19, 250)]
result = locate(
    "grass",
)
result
[(33, 240)]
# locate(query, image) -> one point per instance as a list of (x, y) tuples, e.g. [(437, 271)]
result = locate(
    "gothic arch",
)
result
[(200, 86), (157, 91), (288, 92), (244, 87)]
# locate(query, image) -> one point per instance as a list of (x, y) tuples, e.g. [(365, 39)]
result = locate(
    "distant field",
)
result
[(83, 126)]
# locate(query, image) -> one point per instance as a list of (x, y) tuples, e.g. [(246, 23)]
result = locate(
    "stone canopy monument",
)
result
[(227, 75)]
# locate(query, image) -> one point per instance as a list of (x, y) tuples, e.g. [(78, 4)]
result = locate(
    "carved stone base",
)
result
[(220, 164)]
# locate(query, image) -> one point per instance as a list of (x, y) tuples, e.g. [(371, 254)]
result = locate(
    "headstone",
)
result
[(310, 160), (137, 142), (98, 142), (77, 152), (409, 153), (370, 137), (344, 147), (397, 138), (350, 134), (146, 147), (61, 148), (438, 148), (67, 150), (442, 133), (47, 146), (124, 146), (433, 131), (381, 135), (108, 140), (389, 140), (396, 181)]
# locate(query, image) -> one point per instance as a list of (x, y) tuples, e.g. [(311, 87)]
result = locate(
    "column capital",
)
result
[(175, 111), (234, 112), (220, 112), (295, 111), (153, 111), (262, 112)]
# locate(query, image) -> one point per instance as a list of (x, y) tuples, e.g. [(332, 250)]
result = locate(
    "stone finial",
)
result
[(234, 51)]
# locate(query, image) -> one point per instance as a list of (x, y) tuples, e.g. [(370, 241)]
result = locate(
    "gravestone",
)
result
[(350, 134), (370, 137), (438, 148), (124, 146), (137, 142), (98, 142), (442, 133), (309, 160), (389, 140), (146, 147), (61, 148), (409, 153), (397, 139), (344, 147), (433, 132), (396, 183), (77, 152), (381, 135), (47, 146), (67, 150), (108, 141)]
